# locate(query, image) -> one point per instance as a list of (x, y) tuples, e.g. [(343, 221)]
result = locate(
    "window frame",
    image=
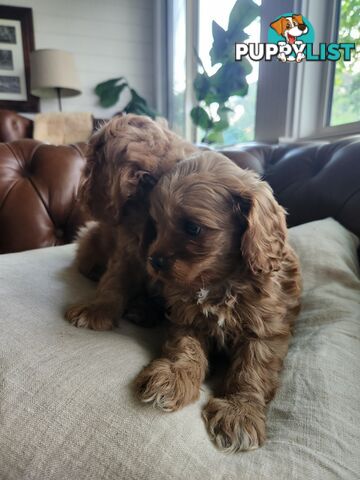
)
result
[(301, 112), (161, 57), (164, 60), (311, 83)]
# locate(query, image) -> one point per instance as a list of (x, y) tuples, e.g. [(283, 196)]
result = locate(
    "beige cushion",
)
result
[(59, 128), (66, 406)]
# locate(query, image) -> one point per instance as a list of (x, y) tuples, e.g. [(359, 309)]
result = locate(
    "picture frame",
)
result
[(16, 43)]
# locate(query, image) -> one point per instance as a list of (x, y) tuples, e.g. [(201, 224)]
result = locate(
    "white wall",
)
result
[(109, 38)]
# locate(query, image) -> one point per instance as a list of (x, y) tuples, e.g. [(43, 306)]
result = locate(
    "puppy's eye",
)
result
[(192, 228)]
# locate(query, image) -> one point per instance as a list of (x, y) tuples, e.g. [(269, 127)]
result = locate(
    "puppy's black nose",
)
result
[(302, 26), (157, 262)]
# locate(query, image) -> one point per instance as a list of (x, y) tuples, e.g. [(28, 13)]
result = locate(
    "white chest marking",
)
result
[(202, 295), (221, 320), (217, 312)]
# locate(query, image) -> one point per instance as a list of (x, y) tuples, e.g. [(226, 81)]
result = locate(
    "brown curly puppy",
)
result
[(231, 281), (125, 160)]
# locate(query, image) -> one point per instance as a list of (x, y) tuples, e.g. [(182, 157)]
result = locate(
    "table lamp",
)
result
[(53, 73)]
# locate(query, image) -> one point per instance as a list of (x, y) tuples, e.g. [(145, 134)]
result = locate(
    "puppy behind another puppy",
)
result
[(232, 282), (125, 160)]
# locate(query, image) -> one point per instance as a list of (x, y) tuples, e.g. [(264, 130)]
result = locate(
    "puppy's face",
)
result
[(125, 159), (290, 27), (207, 223), (196, 231)]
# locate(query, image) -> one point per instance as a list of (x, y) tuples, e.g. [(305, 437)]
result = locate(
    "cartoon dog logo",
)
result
[(291, 28)]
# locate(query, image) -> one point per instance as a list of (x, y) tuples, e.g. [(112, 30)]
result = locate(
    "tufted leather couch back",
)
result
[(39, 185), (38, 191), (312, 181)]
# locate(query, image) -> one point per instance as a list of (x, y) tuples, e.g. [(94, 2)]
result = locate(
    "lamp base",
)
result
[(58, 92)]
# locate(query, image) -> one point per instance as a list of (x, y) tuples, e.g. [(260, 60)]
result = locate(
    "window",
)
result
[(323, 97), (177, 65), (190, 29), (242, 121), (345, 105), (306, 101)]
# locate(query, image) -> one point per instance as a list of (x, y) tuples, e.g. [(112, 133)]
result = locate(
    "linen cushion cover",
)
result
[(67, 409)]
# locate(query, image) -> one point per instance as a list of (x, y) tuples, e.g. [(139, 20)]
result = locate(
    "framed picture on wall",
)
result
[(16, 43)]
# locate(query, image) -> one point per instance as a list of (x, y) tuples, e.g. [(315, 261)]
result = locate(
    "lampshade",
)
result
[(52, 70)]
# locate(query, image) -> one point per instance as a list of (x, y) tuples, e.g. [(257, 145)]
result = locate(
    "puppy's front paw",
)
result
[(234, 425), (165, 386), (91, 315)]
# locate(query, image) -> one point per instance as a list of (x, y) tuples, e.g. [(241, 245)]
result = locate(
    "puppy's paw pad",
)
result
[(164, 386), (89, 316), (233, 426)]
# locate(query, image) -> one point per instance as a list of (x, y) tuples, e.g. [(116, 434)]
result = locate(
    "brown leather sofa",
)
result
[(38, 194), (39, 185), (14, 126)]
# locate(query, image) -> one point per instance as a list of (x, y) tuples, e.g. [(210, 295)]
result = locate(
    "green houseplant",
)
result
[(229, 79), (109, 93)]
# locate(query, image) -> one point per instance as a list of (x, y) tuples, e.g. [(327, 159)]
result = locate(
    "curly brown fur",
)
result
[(231, 280), (125, 160)]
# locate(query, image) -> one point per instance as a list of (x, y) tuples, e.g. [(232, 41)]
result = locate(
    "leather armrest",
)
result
[(14, 126), (38, 194)]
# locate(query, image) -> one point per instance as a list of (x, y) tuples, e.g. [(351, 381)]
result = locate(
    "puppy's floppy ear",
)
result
[(265, 232), (116, 170), (278, 26), (241, 208), (92, 191), (129, 182), (298, 18)]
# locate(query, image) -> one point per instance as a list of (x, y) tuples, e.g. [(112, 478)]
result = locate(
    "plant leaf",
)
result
[(246, 65), (103, 86), (220, 43), (237, 34), (212, 96), (230, 80), (138, 105), (223, 123), (214, 137), (136, 97), (201, 118), (223, 108), (242, 14), (110, 97), (201, 86)]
